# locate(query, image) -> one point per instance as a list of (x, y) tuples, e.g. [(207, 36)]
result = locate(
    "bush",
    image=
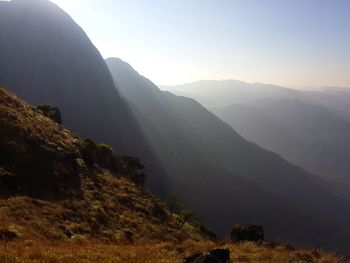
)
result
[(51, 112), (100, 154), (132, 169)]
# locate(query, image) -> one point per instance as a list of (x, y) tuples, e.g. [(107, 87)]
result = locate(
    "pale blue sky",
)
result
[(297, 43)]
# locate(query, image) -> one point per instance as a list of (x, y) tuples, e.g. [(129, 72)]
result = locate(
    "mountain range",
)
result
[(186, 149), (308, 128), (206, 144)]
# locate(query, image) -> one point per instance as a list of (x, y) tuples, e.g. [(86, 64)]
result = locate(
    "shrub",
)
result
[(133, 169), (100, 154), (51, 112)]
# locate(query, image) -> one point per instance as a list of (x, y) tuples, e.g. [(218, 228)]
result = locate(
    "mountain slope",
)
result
[(305, 134), (45, 57), (54, 185), (209, 164), (308, 128)]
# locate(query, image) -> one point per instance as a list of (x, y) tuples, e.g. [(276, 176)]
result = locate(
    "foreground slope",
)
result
[(213, 169), (54, 185), (84, 252), (45, 57)]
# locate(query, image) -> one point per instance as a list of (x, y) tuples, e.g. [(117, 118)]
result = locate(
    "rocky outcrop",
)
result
[(213, 256)]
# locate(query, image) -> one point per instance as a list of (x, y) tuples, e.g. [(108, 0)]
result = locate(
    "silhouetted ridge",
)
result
[(46, 58)]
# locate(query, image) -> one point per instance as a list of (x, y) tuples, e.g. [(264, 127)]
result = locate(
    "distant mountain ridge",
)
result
[(308, 128)]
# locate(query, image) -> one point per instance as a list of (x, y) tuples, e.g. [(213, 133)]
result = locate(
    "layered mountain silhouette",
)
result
[(308, 128), (46, 58), (305, 134), (217, 169)]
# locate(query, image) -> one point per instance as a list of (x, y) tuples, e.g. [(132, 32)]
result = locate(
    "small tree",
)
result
[(133, 169), (186, 216), (173, 204), (51, 112)]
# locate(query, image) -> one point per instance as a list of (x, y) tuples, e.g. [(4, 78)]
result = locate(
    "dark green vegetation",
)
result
[(54, 185), (52, 112)]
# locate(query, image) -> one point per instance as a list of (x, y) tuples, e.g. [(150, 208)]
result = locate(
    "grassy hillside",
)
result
[(55, 185)]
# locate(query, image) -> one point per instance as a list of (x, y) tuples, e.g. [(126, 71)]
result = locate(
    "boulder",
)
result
[(247, 232), (213, 256), (7, 235)]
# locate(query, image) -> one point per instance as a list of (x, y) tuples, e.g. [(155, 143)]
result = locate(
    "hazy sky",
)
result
[(288, 42)]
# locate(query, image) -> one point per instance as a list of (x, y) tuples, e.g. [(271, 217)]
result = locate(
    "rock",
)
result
[(247, 232), (7, 235), (213, 256), (51, 112)]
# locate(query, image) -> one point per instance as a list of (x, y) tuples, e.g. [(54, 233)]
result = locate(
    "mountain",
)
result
[(45, 57), (54, 185), (224, 177), (212, 93), (308, 128), (335, 99), (308, 135)]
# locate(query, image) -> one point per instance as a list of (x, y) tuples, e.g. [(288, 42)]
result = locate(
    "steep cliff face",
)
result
[(55, 185), (45, 57)]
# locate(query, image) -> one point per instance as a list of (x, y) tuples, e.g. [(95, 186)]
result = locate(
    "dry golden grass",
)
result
[(69, 252), (55, 186)]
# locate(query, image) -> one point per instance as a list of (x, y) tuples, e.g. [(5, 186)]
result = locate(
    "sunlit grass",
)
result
[(91, 251)]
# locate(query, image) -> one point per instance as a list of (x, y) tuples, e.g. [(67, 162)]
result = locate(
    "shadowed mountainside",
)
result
[(214, 168), (46, 58)]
